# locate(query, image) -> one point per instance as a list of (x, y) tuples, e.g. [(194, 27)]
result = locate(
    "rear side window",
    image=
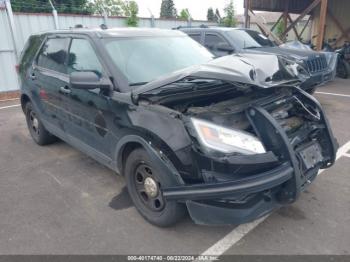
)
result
[(196, 37), (53, 54), (82, 57), (212, 40), (30, 49)]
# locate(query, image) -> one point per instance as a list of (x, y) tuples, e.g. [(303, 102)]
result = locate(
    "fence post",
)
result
[(189, 18), (55, 17), (105, 17), (153, 24), (12, 27)]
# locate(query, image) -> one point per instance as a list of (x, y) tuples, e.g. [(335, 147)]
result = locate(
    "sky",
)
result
[(197, 8)]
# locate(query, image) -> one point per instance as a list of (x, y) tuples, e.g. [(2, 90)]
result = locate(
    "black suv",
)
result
[(187, 131), (221, 41)]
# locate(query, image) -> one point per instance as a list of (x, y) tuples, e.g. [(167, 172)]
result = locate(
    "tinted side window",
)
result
[(212, 40), (30, 49), (82, 57), (196, 37), (53, 54)]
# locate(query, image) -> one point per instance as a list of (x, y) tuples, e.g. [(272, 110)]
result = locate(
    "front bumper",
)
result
[(318, 79), (248, 185), (233, 202)]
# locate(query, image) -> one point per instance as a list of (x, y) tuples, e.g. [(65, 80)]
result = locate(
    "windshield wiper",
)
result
[(252, 47), (138, 84)]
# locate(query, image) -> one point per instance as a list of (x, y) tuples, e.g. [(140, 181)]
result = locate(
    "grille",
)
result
[(316, 64)]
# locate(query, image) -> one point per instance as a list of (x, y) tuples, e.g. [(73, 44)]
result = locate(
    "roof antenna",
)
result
[(103, 26)]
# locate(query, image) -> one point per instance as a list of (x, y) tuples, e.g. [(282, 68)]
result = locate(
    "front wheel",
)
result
[(145, 184)]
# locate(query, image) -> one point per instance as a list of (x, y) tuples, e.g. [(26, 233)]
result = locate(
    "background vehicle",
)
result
[(343, 66), (215, 136), (223, 41)]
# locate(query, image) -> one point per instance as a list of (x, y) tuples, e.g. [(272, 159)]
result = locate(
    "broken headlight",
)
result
[(227, 140)]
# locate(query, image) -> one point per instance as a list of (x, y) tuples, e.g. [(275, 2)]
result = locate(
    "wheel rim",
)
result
[(148, 188), (34, 122)]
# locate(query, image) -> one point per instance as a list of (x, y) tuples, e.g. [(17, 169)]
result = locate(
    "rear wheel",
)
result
[(145, 185), (36, 129)]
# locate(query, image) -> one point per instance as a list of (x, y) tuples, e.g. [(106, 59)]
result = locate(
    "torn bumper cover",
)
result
[(232, 202)]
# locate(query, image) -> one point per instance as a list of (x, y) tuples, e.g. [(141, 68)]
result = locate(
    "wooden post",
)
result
[(301, 16), (294, 29), (264, 29), (278, 20), (246, 14), (321, 24)]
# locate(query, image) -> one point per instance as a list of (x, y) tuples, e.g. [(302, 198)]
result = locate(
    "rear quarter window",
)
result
[(30, 49)]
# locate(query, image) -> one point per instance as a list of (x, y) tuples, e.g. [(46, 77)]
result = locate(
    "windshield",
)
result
[(245, 39), (143, 59)]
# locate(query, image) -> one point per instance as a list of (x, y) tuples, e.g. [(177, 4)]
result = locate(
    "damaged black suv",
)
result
[(216, 137)]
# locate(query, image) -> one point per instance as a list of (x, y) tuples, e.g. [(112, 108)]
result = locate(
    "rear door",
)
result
[(49, 74)]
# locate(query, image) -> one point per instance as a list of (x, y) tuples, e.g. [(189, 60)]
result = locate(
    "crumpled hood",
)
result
[(259, 69)]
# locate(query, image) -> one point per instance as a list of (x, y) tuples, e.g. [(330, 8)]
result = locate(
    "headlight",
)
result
[(227, 140)]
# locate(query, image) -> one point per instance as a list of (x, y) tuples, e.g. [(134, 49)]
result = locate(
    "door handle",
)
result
[(65, 90)]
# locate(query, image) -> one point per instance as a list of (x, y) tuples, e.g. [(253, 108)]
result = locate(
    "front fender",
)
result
[(156, 156)]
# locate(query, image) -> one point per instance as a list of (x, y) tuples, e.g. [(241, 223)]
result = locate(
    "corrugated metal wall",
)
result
[(8, 76), (27, 24)]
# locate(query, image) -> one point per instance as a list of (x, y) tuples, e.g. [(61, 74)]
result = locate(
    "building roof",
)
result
[(267, 17), (294, 6)]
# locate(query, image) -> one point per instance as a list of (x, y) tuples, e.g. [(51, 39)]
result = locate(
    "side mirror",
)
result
[(88, 80), (225, 48)]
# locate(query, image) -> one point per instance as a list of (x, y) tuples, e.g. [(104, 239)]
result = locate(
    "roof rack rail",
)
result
[(182, 26)]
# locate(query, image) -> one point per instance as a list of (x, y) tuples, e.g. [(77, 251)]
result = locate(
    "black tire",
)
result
[(343, 69), (311, 91), (154, 209), (36, 129)]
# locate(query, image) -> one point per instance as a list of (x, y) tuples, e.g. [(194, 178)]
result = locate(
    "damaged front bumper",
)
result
[(233, 202), (273, 179)]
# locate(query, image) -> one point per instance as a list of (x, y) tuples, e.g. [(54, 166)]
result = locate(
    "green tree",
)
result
[(184, 14), (167, 9), (229, 19), (131, 10), (111, 7), (210, 15), (279, 29), (40, 6)]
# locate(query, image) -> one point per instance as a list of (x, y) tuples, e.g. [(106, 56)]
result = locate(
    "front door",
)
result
[(213, 41), (89, 109)]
